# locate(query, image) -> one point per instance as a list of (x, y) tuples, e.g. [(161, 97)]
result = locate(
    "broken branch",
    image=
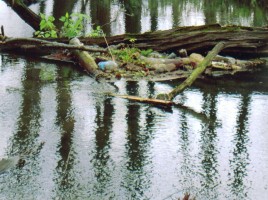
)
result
[(194, 75)]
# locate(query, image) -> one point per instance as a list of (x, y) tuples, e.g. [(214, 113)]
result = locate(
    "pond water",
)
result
[(120, 16), (79, 144)]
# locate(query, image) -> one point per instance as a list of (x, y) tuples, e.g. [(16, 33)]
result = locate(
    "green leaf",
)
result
[(63, 19), (51, 18), (53, 34), (43, 25), (42, 16)]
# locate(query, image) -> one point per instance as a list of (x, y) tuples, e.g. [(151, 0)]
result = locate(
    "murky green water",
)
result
[(79, 144)]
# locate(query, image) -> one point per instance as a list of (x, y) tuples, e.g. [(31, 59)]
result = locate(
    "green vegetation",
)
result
[(73, 26), (98, 32), (47, 27)]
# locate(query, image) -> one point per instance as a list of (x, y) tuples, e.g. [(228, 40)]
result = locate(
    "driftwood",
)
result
[(25, 13), (166, 99), (41, 46), (84, 59), (199, 39), (194, 75), (155, 102)]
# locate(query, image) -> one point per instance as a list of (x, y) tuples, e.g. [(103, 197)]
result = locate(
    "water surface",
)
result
[(134, 16), (78, 143)]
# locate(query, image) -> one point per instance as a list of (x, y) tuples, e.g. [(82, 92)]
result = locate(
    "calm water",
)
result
[(120, 16), (79, 144)]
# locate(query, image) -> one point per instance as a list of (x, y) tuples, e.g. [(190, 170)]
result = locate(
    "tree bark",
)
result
[(194, 75), (239, 40), (35, 44), (25, 13), (84, 59)]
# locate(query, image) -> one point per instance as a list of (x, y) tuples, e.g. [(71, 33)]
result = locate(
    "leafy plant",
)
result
[(98, 32), (146, 52), (127, 55), (132, 40), (72, 24), (47, 27)]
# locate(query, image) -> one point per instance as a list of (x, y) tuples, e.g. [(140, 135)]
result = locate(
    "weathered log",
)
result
[(84, 59), (194, 75), (32, 44), (199, 39), (25, 13)]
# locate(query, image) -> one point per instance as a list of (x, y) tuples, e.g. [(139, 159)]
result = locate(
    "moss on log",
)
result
[(84, 59)]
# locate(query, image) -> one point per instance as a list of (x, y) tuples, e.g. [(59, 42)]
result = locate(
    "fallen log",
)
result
[(194, 75), (239, 40), (41, 46), (25, 13), (84, 59), (157, 69)]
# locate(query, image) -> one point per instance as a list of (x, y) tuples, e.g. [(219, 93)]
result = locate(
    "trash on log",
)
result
[(166, 99)]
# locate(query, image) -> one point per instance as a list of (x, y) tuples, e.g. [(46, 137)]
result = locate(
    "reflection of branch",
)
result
[(240, 152), (116, 16), (199, 115)]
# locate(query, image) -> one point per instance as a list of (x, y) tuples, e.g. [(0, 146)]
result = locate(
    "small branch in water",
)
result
[(156, 102)]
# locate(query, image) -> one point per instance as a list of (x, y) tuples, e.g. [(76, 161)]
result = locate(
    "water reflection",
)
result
[(79, 144), (187, 169), (239, 185), (60, 7), (134, 181), (65, 121), (210, 176), (133, 10), (101, 14), (24, 141), (121, 16), (104, 122)]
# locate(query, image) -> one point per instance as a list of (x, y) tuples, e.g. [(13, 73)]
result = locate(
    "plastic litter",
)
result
[(107, 65)]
